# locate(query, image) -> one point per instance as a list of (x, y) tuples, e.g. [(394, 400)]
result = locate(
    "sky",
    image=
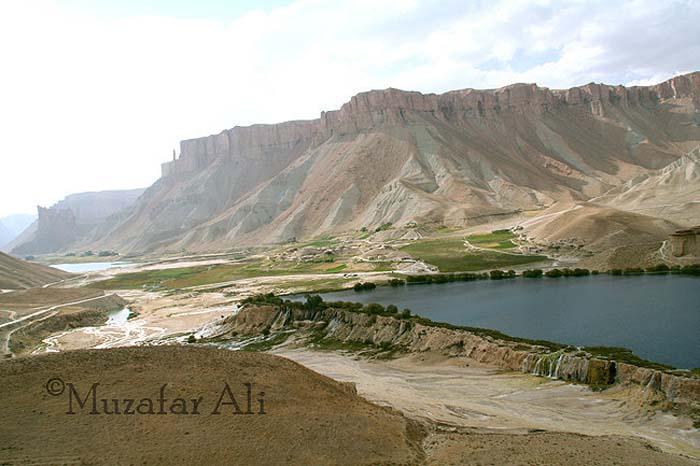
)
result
[(95, 95)]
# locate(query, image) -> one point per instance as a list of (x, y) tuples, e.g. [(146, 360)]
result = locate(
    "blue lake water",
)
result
[(658, 317), (90, 266), (118, 317)]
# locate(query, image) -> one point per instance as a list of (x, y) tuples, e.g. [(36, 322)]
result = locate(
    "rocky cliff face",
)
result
[(398, 156), (686, 243), (571, 365), (71, 220)]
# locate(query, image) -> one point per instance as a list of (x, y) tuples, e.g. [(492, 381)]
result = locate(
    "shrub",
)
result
[(406, 314), (660, 268), (534, 273), (693, 269), (391, 309), (191, 338), (374, 308), (554, 273), (396, 282), (313, 302), (360, 286)]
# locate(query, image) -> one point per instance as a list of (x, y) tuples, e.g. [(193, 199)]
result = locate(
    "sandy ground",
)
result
[(158, 316), (448, 392)]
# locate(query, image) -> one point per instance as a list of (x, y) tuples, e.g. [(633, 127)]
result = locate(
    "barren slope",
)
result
[(18, 274), (597, 227), (310, 419), (672, 193)]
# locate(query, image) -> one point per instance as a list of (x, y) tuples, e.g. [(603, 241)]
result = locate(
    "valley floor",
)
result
[(470, 406)]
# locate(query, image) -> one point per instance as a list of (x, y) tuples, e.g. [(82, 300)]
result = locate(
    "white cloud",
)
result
[(90, 103)]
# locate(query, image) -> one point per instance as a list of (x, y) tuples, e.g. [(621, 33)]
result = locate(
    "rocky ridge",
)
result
[(457, 158)]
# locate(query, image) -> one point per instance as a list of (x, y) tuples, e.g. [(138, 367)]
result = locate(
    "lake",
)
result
[(90, 266), (118, 317), (658, 316)]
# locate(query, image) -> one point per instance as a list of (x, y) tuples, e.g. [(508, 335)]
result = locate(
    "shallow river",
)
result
[(658, 317)]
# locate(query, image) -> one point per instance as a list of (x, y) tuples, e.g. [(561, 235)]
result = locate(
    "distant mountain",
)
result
[(458, 158), (12, 225), (18, 274), (71, 220), (6, 234)]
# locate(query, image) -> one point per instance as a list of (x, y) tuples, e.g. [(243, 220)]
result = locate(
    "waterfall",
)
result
[(547, 365), (537, 366), (556, 371), (651, 382)]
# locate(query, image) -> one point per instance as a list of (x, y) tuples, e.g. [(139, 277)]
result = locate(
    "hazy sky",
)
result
[(95, 94)]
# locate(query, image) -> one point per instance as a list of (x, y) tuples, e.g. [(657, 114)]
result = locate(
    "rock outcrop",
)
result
[(565, 364), (686, 243)]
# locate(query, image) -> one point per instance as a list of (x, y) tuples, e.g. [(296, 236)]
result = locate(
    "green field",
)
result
[(322, 242), (205, 275), (501, 239), (450, 255)]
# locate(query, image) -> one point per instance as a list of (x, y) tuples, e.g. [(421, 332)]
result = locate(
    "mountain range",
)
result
[(12, 225), (457, 159)]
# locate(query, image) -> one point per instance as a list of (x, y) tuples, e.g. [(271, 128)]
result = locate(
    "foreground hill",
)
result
[(458, 158), (310, 419), (18, 274)]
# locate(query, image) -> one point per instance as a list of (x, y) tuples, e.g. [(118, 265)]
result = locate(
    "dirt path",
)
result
[(44, 310), (445, 391)]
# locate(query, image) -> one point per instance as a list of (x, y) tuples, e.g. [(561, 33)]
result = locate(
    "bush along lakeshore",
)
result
[(660, 269), (377, 331)]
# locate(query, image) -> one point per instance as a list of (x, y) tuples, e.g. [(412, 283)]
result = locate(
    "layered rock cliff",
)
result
[(409, 336), (398, 156)]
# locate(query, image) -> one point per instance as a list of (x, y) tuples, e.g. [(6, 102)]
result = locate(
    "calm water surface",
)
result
[(658, 317), (118, 317), (90, 266)]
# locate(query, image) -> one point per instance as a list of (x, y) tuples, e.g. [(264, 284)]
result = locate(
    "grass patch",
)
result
[(450, 255), (624, 355), (322, 242), (500, 239), (336, 269), (206, 275)]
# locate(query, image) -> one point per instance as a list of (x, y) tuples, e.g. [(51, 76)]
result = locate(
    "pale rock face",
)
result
[(686, 243), (398, 156)]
